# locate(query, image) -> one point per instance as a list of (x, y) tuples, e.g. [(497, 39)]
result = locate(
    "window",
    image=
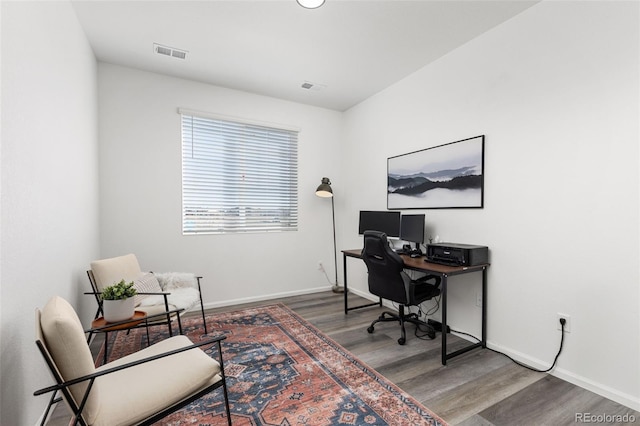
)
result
[(237, 177)]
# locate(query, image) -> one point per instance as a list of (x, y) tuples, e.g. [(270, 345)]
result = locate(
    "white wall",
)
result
[(49, 186), (140, 194), (555, 91)]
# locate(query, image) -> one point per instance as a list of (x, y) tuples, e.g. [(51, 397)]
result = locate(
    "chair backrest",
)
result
[(385, 268), (61, 339), (109, 271)]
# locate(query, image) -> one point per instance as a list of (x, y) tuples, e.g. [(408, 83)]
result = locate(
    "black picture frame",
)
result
[(449, 176)]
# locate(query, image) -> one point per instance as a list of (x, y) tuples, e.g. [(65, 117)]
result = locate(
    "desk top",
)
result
[(420, 264)]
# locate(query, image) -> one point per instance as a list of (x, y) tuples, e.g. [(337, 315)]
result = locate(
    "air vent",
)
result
[(169, 51), (163, 50), (315, 87), (178, 54)]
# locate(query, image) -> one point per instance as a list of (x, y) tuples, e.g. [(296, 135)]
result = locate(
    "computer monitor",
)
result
[(412, 228), (383, 221)]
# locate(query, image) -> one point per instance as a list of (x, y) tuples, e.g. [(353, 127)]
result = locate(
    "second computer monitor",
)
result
[(383, 221), (412, 228)]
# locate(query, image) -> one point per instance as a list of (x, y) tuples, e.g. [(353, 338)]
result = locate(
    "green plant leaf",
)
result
[(119, 291)]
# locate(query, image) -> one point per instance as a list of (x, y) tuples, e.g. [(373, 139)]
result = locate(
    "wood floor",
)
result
[(478, 388)]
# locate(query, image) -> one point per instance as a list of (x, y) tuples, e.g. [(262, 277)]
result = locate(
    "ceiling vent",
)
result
[(169, 51), (314, 87)]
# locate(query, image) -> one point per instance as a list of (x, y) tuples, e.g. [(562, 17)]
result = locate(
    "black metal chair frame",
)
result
[(169, 313), (63, 386)]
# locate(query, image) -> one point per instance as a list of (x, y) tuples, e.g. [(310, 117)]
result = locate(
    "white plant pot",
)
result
[(118, 310)]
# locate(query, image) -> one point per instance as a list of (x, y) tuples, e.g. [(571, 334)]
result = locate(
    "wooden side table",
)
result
[(102, 326)]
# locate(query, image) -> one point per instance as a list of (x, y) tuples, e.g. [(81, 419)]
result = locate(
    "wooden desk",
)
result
[(444, 271)]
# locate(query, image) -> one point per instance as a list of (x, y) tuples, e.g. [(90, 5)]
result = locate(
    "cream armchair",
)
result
[(159, 293), (133, 390)]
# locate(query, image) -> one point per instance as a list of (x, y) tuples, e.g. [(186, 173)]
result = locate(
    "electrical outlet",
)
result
[(320, 266), (567, 324), (479, 299)]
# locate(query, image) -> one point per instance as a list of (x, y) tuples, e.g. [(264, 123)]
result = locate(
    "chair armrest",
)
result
[(426, 278), (422, 283), (139, 292), (95, 375)]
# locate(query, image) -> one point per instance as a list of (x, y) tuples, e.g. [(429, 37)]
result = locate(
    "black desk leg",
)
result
[(484, 307), (346, 290), (483, 342), (443, 292)]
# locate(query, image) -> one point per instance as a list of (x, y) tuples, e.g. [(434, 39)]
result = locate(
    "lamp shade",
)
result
[(310, 4), (324, 190)]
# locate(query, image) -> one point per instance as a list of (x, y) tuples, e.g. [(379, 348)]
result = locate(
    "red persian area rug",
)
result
[(281, 370)]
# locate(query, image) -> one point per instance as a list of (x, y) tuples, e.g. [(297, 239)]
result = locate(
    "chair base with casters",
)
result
[(388, 280), (403, 318)]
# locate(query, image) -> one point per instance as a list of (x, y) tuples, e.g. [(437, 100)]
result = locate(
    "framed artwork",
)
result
[(447, 176)]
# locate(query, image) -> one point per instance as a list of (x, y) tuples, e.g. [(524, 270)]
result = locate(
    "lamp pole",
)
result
[(325, 191), (336, 288)]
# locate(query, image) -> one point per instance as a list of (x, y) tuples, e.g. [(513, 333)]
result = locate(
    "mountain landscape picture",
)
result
[(445, 176)]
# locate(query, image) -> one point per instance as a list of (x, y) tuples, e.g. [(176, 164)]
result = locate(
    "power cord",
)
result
[(327, 276), (555, 360), (425, 333), (419, 327), (434, 309), (427, 313)]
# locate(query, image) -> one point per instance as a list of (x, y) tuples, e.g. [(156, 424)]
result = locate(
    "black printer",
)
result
[(457, 254)]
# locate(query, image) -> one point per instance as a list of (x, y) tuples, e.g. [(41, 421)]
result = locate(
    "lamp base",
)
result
[(337, 289)]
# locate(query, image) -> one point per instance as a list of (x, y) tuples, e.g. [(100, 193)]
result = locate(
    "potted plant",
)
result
[(118, 302)]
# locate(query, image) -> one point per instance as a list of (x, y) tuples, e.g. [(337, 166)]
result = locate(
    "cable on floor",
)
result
[(423, 329), (555, 360)]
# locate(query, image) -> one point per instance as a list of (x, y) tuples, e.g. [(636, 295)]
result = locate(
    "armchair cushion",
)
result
[(180, 298), (136, 393), (110, 271), (65, 340)]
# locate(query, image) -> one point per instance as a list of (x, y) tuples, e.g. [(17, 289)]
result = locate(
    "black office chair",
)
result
[(388, 280)]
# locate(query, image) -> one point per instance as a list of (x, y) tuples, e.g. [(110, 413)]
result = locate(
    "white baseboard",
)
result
[(602, 390), (265, 297), (598, 388)]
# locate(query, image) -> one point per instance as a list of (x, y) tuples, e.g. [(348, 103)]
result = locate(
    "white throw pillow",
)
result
[(146, 283)]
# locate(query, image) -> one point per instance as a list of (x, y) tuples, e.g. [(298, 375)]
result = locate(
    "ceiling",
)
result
[(347, 49)]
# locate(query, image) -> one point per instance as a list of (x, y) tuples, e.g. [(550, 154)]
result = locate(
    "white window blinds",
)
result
[(238, 177)]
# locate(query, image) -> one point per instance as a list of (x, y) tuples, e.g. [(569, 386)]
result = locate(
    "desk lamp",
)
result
[(325, 191)]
